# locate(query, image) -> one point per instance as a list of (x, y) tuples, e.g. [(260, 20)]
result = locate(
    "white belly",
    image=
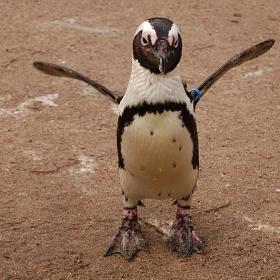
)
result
[(157, 151)]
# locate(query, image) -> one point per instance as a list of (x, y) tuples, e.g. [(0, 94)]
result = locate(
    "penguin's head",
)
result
[(157, 45)]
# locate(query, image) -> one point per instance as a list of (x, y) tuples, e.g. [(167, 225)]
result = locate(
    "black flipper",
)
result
[(237, 60), (61, 71)]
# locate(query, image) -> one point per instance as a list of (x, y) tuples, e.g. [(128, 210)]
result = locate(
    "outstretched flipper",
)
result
[(128, 240), (251, 53), (60, 71)]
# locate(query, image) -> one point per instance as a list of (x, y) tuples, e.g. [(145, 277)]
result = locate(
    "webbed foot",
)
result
[(184, 239), (128, 240)]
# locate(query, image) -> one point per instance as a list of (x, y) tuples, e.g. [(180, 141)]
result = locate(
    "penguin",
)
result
[(157, 139)]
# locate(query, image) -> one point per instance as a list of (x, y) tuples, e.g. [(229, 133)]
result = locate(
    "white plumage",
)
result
[(156, 148)]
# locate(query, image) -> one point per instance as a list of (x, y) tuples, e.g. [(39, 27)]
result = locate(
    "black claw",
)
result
[(140, 203), (174, 202)]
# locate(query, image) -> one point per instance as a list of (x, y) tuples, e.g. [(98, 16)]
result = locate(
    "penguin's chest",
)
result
[(157, 151)]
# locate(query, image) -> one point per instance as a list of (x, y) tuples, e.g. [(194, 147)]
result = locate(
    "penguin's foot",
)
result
[(184, 238), (128, 240)]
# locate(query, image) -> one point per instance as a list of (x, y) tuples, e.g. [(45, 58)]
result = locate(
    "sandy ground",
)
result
[(60, 201)]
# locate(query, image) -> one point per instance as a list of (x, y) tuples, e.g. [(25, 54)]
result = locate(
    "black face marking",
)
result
[(161, 54), (180, 148), (168, 194), (144, 108), (174, 140), (126, 198), (122, 192), (151, 133), (161, 26), (159, 194), (174, 164)]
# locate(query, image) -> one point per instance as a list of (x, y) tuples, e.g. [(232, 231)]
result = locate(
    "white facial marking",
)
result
[(147, 30), (173, 35), (144, 26)]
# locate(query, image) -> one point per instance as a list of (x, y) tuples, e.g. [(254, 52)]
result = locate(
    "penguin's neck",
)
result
[(151, 88)]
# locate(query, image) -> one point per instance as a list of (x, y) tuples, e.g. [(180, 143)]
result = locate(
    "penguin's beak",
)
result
[(161, 51)]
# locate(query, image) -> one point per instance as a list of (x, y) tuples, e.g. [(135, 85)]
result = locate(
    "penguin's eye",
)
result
[(144, 41), (175, 42)]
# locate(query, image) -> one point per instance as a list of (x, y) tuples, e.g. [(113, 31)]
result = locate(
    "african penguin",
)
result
[(157, 135), (156, 139)]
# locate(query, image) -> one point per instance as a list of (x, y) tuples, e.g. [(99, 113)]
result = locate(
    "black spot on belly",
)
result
[(180, 148), (174, 164), (159, 194), (151, 132), (143, 108), (174, 140), (168, 194)]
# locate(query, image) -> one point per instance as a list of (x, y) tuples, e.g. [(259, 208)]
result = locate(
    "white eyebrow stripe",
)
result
[(173, 34), (145, 26), (174, 31)]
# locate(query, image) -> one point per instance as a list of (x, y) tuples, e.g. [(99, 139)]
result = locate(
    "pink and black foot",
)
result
[(184, 238), (128, 240)]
